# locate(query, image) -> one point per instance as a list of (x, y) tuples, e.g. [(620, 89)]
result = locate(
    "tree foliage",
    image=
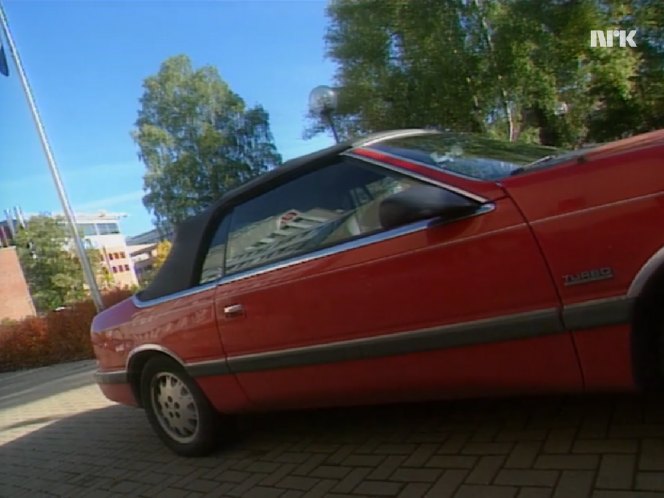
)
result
[(197, 139), (519, 69), (54, 274)]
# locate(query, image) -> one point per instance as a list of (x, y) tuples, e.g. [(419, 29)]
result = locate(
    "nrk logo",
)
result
[(604, 39)]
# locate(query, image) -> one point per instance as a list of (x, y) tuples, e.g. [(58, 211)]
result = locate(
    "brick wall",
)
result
[(15, 300)]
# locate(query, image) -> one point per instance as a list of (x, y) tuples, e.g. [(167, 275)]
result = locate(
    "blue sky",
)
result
[(86, 61)]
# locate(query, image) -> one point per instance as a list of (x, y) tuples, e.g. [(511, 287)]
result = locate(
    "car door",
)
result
[(321, 305)]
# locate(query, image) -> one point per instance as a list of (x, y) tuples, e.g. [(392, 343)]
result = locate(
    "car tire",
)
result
[(177, 409)]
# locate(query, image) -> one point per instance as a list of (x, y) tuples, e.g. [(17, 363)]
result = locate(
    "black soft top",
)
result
[(181, 269)]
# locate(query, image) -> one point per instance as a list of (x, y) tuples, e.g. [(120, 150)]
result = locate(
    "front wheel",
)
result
[(177, 409)]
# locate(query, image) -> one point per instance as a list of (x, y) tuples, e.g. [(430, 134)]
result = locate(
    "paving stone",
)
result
[(415, 475), (321, 488), (605, 446), (523, 455), (298, 483), (420, 456), (652, 454), (452, 462), (264, 492), (616, 472), (651, 481), (453, 444), (487, 448), (387, 467), (363, 460), (378, 488), (330, 472), (574, 484), (414, 490), (448, 484), (348, 483), (528, 492), (571, 462), (603, 493), (75, 443), (474, 491), (485, 470), (527, 477), (559, 441)]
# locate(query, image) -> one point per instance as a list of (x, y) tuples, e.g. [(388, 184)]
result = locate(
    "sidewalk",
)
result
[(60, 437)]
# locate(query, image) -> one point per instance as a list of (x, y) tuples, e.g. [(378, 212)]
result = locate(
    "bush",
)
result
[(56, 337)]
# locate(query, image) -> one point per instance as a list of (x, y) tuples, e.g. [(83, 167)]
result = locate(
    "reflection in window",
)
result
[(316, 210)]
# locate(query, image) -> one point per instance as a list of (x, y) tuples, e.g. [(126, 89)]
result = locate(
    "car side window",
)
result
[(213, 264), (330, 205)]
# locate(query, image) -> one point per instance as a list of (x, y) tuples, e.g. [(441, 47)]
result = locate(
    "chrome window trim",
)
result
[(188, 292), (434, 168), (350, 245), (389, 135), (417, 176)]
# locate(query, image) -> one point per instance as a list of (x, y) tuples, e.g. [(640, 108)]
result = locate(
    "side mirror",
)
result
[(423, 202)]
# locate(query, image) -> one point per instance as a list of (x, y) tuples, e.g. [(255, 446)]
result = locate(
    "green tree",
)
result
[(517, 69), (197, 139), (53, 273)]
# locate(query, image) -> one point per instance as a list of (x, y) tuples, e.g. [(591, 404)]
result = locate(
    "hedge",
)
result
[(56, 337)]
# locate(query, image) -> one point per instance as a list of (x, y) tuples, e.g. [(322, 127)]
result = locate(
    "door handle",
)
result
[(233, 310)]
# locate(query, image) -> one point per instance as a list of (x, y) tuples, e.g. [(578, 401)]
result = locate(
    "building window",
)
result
[(110, 255), (108, 228), (115, 269), (86, 229)]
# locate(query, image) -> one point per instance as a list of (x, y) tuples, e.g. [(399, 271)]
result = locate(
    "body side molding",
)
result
[(531, 324)]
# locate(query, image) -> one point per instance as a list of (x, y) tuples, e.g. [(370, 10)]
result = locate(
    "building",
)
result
[(15, 300), (100, 231)]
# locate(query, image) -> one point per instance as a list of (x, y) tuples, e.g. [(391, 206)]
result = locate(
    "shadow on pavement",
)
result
[(112, 450)]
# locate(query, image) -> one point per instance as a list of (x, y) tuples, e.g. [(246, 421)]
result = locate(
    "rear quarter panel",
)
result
[(605, 212)]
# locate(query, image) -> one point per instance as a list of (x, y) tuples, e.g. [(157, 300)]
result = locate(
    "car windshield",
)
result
[(468, 155)]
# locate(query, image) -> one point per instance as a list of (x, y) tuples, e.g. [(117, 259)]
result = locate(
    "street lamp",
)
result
[(323, 101)]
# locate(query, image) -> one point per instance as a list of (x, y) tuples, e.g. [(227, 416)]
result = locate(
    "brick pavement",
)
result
[(62, 438)]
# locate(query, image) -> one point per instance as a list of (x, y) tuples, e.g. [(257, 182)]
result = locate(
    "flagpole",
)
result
[(55, 173)]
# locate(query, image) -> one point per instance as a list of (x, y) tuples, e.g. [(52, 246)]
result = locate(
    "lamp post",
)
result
[(55, 173), (323, 101)]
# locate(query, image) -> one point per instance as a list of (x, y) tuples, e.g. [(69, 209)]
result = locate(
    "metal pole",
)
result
[(50, 159), (327, 114)]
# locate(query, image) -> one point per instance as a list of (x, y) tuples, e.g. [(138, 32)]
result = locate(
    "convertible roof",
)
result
[(182, 266), (180, 270)]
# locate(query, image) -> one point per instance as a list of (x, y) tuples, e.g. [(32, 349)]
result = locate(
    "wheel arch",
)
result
[(647, 291), (136, 361)]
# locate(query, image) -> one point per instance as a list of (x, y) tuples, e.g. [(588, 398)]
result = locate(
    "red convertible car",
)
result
[(409, 265)]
